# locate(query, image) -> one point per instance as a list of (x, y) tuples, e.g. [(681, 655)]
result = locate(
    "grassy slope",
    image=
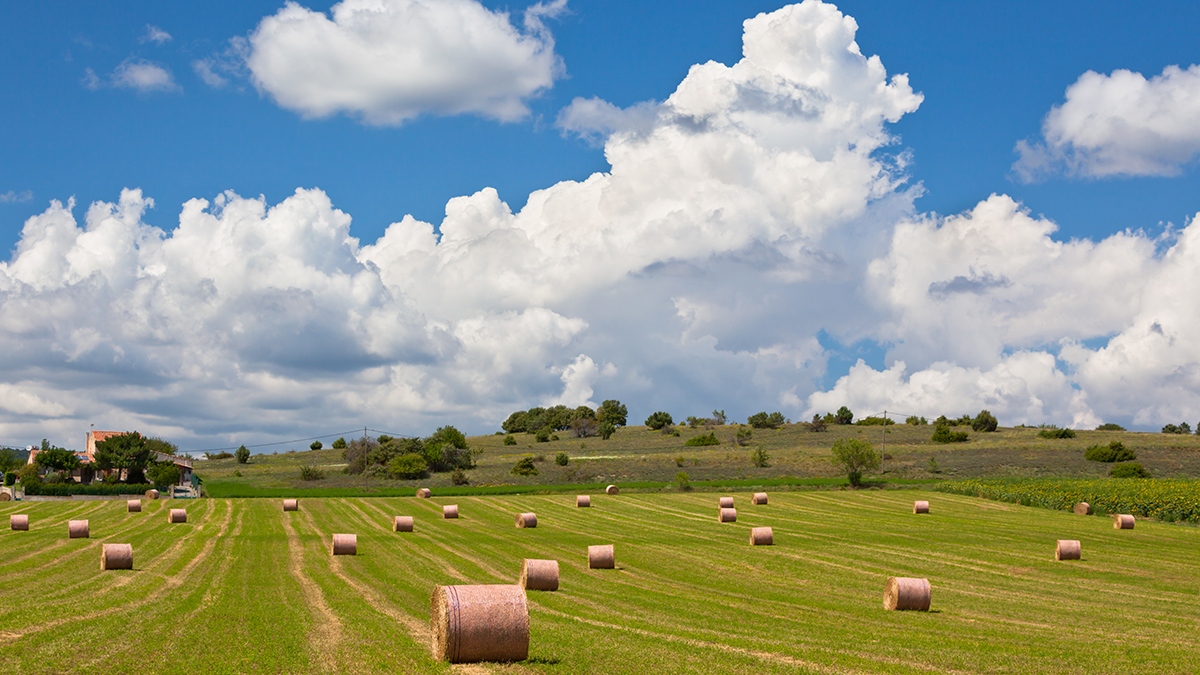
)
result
[(638, 454), (244, 587)]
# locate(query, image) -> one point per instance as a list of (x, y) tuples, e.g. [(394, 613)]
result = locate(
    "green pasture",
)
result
[(243, 587)]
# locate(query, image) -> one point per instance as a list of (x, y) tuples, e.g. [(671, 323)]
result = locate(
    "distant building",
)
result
[(88, 457)]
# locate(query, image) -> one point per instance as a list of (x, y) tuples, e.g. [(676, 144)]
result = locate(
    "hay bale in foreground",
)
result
[(601, 557), (920, 507), (1123, 521), (133, 506), (904, 593), (291, 505), (612, 490), (177, 516), (450, 511), (1083, 509), (19, 521), (526, 520), (726, 515), (424, 493), (583, 501), (5, 497), (77, 529), (539, 575), (479, 623), (1068, 549), (725, 503), (151, 494), (345, 544), (402, 524), (759, 498), (116, 557), (762, 536)]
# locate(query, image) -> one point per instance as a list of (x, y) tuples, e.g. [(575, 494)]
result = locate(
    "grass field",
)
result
[(246, 588)]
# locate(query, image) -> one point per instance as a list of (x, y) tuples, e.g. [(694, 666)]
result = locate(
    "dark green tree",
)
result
[(659, 420), (339, 444), (984, 421), (55, 458), (164, 473), (315, 445), (515, 423), (844, 416), (612, 411), (854, 456), (128, 452), (242, 454)]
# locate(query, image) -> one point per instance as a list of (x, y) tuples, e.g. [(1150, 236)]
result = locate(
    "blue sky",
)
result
[(989, 76)]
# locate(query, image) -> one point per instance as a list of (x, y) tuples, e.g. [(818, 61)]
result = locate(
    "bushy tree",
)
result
[(613, 412), (1109, 426), (55, 458), (985, 421), (164, 473), (128, 452), (854, 456), (583, 427), (448, 435), (339, 444), (242, 454), (759, 457), (817, 424), (844, 416), (719, 417), (315, 445), (525, 467), (509, 440), (515, 423), (8, 460), (942, 434), (762, 420), (915, 421), (659, 420), (562, 459), (408, 466), (585, 413), (607, 429)]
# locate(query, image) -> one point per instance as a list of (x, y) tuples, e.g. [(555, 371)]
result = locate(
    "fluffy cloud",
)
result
[(388, 61), (12, 197), (137, 74), (1119, 124), (156, 35)]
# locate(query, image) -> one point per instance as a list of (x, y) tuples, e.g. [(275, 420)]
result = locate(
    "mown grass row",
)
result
[(244, 587), (1166, 500)]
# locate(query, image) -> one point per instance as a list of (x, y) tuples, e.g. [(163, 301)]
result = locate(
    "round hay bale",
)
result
[(151, 494), (77, 529), (402, 524), (526, 520), (726, 503), (761, 536), (5, 497), (345, 544), (759, 498), (450, 511), (539, 575), (583, 501), (901, 593), (921, 507), (1068, 549), (726, 515), (291, 505), (1123, 521), (601, 557), (19, 521), (133, 506), (116, 557), (424, 493), (1083, 509), (612, 490), (177, 516), (479, 623)]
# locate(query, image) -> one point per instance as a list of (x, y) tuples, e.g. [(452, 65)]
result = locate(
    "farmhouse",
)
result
[(87, 457)]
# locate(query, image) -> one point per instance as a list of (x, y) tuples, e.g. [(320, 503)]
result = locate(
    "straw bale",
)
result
[(479, 623), (152, 494), (1067, 549), (402, 524), (424, 493), (291, 505), (177, 516), (1083, 509), (906, 593), (450, 511), (601, 557), (526, 520), (921, 507), (759, 498), (539, 575), (19, 521), (761, 536), (726, 515), (5, 497), (77, 529), (116, 557), (583, 501), (612, 490), (1123, 522), (345, 544), (726, 503), (133, 506)]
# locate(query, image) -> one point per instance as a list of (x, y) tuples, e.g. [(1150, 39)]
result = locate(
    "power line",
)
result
[(300, 440)]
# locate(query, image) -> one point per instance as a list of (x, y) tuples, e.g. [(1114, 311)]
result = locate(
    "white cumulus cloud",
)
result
[(156, 35), (137, 74)]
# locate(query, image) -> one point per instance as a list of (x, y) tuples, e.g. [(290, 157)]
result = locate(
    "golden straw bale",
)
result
[(759, 498), (479, 623), (402, 524), (906, 593), (152, 494), (1083, 509), (450, 511), (725, 502), (526, 520), (1068, 549), (77, 529), (291, 505), (424, 493), (583, 501), (539, 575), (921, 507), (177, 516), (19, 521), (116, 557), (726, 515), (601, 557), (1123, 522), (345, 544), (761, 536), (612, 490), (133, 506), (5, 497)]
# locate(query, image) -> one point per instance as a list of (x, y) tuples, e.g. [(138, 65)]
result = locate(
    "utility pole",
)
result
[(883, 456), (364, 451)]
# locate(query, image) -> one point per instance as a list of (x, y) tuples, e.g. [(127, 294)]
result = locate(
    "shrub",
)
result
[(607, 429), (764, 421), (339, 444), (874, 422), (985, 421), (854, 456), (585, 426), (1109, 426), (242, 454), (942, 434), (311, 472), (218, 455), (509, 440), (448, 435), (916, 421), (743, 435), (408, 466), (316, 445), (844, 416), (1129, 470), (1113, 452), (561, 459), (459, 477), (542, 435), (678, 460), (525, 467), (682, 481), (1056, 433), (10, 478), (704, 439), (67, 489), (164, 473), (760, 457), (817, 424), (659, 420)]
